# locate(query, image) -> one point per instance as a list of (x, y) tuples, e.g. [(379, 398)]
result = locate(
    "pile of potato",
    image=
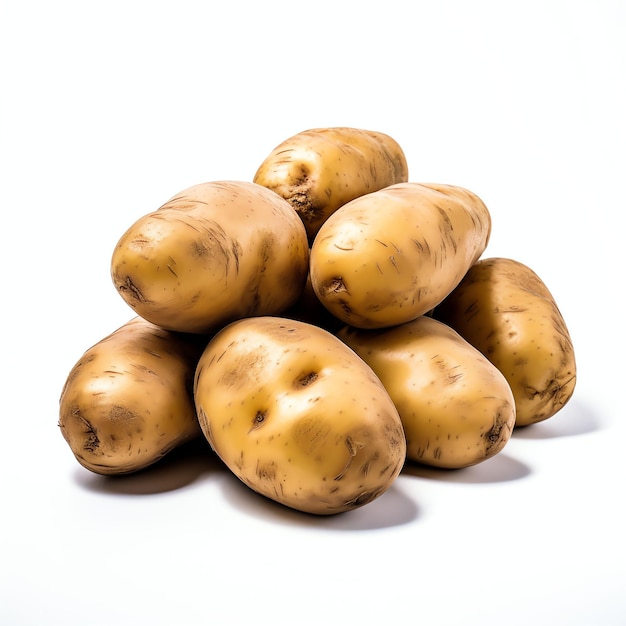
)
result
[(320, 325)]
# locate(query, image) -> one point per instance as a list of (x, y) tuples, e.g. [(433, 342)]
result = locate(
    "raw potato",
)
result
[(505, 310), (297, 416), (129, 400), (456, 407), (320, 169), (214, 253), (390, 256)]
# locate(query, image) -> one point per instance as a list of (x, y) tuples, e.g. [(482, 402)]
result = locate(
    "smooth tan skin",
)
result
[(504, 309), (128, 401), (214, 253), (320, 169), (388, 257), (297, 416), (457, 409)]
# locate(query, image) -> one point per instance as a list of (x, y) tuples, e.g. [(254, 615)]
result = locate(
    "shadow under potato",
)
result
[(392, 508), (575, 418), (177, 469), (498, 469)]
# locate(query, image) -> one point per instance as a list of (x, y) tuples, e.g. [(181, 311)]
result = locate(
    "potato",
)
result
[(215, 252), (505, 310), (320, 169), (390, 256), (456, 407), (297, 416), (128, 401)]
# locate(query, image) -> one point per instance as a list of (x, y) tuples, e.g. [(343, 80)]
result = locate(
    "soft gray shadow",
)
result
[(497, 469), (178, 469), (575, 418), (392, 508)]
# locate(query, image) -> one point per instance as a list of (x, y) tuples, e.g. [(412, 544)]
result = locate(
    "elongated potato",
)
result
[(505, 310), (297, 416), (456, 407), (128, 400), (320, 169), (214, 253), (388, 257)]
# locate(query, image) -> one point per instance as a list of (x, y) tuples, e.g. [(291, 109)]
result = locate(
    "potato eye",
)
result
[(306, 379), (258, 420)]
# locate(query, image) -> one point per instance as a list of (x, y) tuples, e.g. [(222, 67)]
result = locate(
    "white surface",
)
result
[(108, 109)]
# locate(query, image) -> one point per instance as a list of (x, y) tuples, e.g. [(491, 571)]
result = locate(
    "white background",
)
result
[(107, 109)]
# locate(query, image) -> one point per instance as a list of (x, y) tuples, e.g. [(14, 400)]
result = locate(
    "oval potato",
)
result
[(320, 169), (214, 253), (297, 416), (390, 256), (503, 308), (128, 400), (456, 407)]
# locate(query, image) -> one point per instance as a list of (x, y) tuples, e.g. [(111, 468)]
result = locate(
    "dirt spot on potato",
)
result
[(305, 380), (497, 436), (333, 285), (130, 291), (266, 471)]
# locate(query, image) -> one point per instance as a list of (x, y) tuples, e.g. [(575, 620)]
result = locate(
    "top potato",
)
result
[(213, 253), (320, 169)]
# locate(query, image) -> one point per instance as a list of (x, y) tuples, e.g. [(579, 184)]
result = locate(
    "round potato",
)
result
[(128, 400), (297, 416), (456, 407), (390, 256), (320, 169), (505, 310), (214, 253)]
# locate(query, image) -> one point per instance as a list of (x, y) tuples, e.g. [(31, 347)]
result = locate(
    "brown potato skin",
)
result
[(297, 416), (215, 252), (320, 169), (390, 256), (503, 308), (457, 409), (128, 400)]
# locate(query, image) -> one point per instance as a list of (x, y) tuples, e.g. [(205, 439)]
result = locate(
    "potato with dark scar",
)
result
[(320, 169), (504, 309), (216, 252), (298, 416), (456, 407), (390, 256), (128, 400)]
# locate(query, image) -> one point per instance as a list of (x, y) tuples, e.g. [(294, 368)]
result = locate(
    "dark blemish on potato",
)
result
[(258, 420), (128, 287), (333, 286), (446, 229), (236, 250), (92, 441), (122, 414), (363, 498), (496, 437), (305, 380), (352, 450), (198, 248), (266, 471)]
